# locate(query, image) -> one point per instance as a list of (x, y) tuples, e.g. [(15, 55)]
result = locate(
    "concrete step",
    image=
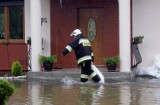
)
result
[(59, 74)]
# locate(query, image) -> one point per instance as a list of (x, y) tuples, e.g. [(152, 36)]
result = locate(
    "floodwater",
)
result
[(69, 92)]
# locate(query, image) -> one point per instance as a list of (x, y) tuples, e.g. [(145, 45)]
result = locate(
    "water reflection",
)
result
[(140, 92), (125, 95), (34, 94)]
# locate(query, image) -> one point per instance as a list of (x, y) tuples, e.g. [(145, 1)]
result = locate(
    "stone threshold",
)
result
[(74, 73)]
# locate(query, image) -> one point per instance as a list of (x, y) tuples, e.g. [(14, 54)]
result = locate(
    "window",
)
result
[(91, 29), (2, 23), (11, 22), (16, 22)]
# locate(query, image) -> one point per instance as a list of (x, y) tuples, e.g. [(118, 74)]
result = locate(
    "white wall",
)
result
[(45, 30), (146, 21), (46, 27), (27, 19)]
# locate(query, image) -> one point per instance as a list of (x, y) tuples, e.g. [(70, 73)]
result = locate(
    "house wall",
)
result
[(45, 29), (146, 21), (27, 19), (12, 52), (64, 21)]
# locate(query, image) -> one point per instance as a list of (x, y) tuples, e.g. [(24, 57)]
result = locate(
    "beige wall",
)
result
[(45, 29), (146, 21)]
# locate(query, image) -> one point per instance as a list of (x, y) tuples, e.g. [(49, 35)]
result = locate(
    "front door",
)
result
[(90, 20)]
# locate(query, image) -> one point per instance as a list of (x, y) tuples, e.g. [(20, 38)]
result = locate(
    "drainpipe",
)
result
[(36, 34), (124, 35)]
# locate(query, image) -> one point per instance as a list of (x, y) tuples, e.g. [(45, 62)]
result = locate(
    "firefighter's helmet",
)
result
[(76, 32)]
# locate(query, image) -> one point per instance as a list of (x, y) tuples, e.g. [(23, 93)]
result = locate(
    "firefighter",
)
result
[(84, 55)]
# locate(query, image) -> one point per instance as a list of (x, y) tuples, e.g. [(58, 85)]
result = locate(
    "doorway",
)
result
[(90, 20)]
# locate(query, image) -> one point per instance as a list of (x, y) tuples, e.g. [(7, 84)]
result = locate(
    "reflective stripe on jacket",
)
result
[(82, 48)]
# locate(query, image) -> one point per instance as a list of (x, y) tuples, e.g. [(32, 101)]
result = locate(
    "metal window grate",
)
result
[(137, 59)]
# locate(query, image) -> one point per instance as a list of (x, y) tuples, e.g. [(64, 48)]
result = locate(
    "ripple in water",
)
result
[(68, 81)]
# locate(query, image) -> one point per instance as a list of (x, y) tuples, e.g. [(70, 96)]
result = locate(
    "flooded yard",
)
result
[(139, 92)]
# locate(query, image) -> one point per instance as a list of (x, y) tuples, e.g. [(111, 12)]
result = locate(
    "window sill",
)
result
[(2, 41)]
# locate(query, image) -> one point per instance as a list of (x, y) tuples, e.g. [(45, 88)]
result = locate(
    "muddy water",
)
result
[(138, 92)]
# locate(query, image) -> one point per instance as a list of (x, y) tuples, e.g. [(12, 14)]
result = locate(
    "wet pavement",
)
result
[(141, 91)]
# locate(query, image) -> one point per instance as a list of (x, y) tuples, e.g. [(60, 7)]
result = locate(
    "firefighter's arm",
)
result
[(71, 46), (67, 50)]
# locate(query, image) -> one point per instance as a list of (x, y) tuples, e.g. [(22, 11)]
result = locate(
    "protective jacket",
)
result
[(82, 48)]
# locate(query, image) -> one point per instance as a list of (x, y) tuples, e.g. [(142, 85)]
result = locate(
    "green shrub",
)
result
[(112, 60), (140, 37), (6, 90), (50, 59), (16, 68)]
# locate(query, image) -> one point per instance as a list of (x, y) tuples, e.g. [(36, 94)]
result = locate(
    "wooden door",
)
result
[(90, 20)]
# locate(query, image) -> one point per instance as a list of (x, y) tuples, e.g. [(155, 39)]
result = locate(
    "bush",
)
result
[(6, 90), (50, 59), (16, 68), (112, 60)]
